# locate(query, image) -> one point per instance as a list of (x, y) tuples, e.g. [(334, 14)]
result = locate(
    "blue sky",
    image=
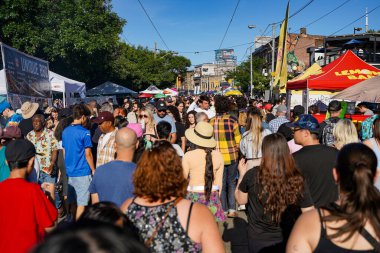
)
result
[(199, 25)]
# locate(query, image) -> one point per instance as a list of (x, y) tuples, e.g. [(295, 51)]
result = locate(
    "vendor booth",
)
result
[(70, 89), (340, 74), (109, 88)]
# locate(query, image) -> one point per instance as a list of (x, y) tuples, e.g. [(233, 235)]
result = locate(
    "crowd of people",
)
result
[(164, 175)]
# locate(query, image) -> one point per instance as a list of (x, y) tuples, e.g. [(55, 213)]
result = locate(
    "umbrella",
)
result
[(233, 93), (366, 91), (353, 42)]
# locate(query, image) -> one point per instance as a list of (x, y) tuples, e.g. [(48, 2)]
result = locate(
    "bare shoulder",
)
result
[(368, 143), (125, 205)]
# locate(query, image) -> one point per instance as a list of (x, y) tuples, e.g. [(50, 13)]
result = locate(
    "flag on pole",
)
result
[(281, 66)]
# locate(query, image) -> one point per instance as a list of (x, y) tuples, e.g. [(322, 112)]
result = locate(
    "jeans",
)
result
[(227, 196), (46, 178)]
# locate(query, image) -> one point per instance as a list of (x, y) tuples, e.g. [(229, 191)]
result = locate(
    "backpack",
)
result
[(366, 128), (328, 138)]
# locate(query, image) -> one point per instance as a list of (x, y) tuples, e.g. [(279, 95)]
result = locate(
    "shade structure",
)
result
[(159, 96), (170, 92), (353, 42), (314, 69), (233, 93), (340, 74), (152, 90), (109, 88), (366, 91), (145, 95)]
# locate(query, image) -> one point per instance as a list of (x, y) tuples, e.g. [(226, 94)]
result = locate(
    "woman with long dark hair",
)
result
[(271, 191), (181, 140), (203, 166), (352, 224)]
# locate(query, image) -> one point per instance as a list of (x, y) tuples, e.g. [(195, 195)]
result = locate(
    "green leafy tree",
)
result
[(241, 75), (78, 38)]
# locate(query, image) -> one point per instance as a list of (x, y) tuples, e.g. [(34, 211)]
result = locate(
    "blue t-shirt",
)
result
[(4, 169), (75, 140), (167, 118), (113, 181)]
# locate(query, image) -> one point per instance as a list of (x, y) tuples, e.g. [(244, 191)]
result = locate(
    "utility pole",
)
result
[(273, 49), (155, 50), (250, 57), (366, 20)]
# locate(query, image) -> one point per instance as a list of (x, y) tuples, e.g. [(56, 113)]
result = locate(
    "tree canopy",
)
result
[(80, 39), (241, 75)]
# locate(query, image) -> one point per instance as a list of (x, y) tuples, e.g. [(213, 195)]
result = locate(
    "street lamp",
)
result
[(357, 29), (250, 57)]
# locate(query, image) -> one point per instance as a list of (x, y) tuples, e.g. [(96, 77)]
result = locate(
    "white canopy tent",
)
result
[(58, 83)]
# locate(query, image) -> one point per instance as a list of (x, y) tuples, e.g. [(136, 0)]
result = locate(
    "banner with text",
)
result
[(25, 75)]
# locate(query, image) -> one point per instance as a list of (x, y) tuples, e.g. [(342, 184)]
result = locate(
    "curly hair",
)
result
[(159, 174), (281, 183), (222, 104)]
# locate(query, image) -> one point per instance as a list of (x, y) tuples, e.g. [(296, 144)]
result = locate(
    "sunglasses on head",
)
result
[(143, 115)]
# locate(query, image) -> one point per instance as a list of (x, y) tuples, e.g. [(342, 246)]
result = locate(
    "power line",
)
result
[(228, 27), (355, 20), (323, 16), (213, 50), (301, 9), (155, 28)]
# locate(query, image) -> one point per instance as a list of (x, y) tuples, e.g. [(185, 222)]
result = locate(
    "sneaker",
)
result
[(241, 208)]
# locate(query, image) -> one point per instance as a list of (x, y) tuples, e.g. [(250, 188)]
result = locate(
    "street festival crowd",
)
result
[(164, 175)]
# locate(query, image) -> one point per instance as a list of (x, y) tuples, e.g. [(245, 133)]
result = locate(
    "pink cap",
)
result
[(136, 127)]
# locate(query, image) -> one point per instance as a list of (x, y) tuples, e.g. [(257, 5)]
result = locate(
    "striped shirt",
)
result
[(227, 136)]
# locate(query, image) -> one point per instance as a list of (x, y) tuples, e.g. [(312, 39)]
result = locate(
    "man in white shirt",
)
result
[(202, 104), (363, 108)]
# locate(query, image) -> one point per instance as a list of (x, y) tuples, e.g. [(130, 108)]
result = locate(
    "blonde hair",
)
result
[(345, 132), (254, 125), (150, 123)]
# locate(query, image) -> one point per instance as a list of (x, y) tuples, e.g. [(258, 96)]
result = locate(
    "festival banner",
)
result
[(281, 65), (25, 75)]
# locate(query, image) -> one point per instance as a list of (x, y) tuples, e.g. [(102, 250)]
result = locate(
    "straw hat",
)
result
[(28, 109), (202, 135)]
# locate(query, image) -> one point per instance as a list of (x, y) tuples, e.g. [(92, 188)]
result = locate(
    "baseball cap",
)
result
[(136, 127), (306, 121), (282, 108), (169, 99), (19, 150), (4, 105), (11, 132), (334, 106), (160, 106), (104, 116)]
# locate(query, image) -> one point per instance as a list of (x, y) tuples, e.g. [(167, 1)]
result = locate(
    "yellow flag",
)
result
[(281, 66)]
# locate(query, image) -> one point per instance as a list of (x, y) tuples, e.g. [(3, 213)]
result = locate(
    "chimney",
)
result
[(303, 31)]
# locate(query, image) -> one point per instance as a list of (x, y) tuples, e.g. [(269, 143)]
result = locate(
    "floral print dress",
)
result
[(171, 236)]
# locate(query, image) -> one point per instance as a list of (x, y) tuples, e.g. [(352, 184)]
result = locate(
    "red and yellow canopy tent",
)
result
[(340, 74)]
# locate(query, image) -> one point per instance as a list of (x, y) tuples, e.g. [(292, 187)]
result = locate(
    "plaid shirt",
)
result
[(275, 124), (106, 152), (227, 136)]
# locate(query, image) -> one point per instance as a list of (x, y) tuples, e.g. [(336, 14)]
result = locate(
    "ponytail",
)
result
[(360, 200), (209, 174)]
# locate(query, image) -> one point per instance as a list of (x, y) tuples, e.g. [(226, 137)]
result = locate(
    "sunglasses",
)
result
[(161, 110), (143, 116)]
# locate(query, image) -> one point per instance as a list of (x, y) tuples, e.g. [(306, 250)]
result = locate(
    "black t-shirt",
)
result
[(180, 132), (316, 163), (269, 117), (260, 226)]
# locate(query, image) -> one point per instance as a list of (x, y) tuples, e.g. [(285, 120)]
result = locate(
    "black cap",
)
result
[(19, 150), (160, 106), (334, 106)]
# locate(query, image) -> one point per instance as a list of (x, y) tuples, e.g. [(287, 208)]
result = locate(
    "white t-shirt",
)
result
[(178, 149)]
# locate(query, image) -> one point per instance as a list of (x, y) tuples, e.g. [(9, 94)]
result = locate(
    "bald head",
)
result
[(126, 138)]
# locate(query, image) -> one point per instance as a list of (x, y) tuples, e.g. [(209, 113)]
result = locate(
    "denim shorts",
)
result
[(78, 190)]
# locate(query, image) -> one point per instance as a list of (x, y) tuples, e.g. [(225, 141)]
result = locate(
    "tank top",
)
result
[(327, 246), (171, 236)]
